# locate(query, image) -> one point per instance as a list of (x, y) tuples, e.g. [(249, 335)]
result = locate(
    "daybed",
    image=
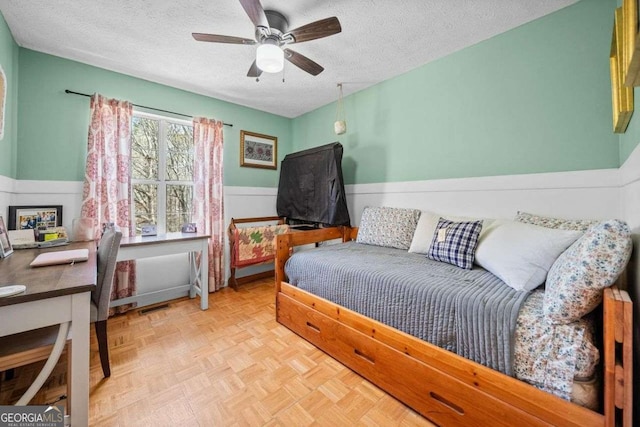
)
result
[(443, 386)]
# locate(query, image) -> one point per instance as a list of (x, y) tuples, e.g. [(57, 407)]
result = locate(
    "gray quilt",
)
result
[(469, 312)]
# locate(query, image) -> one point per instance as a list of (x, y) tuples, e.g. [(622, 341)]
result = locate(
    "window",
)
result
[(162, 171)]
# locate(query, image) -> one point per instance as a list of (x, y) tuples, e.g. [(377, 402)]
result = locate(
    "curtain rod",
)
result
[(142, 106)]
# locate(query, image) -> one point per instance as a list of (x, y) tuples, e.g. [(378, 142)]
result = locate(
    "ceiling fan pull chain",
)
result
[(283, 74)]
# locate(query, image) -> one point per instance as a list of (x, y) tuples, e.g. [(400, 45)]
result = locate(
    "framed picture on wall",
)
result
[(630, 33), (258, 150), (622, 96), (34, 217)]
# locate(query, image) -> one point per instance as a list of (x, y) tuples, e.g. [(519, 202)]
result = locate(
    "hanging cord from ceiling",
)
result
[(142, 106), (340, 125)]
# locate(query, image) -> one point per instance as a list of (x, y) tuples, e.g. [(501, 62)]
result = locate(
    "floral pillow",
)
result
[(594, 262), (455, 242), (557, 223), (390, 227)]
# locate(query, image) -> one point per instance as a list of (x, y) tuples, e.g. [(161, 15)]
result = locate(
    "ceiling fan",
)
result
[(272, 36)]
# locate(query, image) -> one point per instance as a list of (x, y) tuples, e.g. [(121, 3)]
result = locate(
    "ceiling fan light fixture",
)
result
[(273, 36), (270, 58)]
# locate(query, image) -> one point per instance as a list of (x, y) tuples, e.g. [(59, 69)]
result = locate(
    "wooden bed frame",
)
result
[(442, 386)]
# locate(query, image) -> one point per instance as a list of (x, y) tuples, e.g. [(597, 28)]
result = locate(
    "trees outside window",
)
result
[(162, 171)]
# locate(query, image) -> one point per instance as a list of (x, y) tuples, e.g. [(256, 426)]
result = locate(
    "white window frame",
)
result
[(161, 182)]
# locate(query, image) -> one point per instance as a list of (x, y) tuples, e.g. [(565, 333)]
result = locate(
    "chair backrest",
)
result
[(107, 253)]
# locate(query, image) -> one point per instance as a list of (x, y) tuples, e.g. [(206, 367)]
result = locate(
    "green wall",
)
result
[(9, 63), (52, 125), (534, 99)]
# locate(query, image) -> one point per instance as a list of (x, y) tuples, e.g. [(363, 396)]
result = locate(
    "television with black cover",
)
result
[(311, 189)]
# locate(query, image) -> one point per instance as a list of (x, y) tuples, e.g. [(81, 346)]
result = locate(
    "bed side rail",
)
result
[(618, 358), (287, 241)]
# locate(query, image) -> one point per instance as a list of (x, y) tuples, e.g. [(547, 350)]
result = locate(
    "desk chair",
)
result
[(100, 298), (32, 346)]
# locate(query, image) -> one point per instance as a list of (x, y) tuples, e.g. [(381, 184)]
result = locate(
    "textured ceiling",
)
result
[(152, 40)]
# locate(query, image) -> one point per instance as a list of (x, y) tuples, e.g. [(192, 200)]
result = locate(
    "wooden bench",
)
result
[(252, 245)]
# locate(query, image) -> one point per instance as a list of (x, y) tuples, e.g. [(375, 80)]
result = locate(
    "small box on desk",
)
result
[(149, 230)]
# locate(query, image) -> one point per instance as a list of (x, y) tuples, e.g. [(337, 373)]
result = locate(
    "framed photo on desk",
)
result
[(5, 244), (34, 217)]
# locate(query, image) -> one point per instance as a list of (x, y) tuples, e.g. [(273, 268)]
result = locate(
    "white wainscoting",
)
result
[(243, 202), (581, 194), (629, 175), (609, 193)]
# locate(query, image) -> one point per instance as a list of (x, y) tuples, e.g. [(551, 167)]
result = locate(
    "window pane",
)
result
[(179, 152), (144, 149), (145, 197), (178, 206)]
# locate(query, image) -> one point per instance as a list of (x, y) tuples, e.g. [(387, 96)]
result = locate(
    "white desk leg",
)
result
[(79, 410), (193, 275), (204, 275)]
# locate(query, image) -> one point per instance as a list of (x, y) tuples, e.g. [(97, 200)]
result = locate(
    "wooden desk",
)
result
[(55, 295), (132, 248)]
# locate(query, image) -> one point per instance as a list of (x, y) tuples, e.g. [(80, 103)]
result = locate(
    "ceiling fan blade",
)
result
[(316, 30), (256, 12), (303, 62), (254, 71), (215, 38)]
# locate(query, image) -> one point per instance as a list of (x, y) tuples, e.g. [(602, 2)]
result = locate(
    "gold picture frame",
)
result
[(621, 95), (631, 59), (258, 150)]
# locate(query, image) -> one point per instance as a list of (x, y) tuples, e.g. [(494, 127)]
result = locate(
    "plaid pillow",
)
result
[(455, 242)]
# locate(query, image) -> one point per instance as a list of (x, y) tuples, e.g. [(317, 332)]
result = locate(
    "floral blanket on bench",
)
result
[(254, 245)]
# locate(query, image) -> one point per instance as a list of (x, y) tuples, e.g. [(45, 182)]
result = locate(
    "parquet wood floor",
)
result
[(232, 365)]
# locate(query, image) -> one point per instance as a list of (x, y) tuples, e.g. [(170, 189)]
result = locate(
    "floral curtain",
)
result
[(107, 183), (208, 211)]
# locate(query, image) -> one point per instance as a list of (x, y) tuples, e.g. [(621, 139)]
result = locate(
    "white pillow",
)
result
[(427, 224), (521, 254)]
